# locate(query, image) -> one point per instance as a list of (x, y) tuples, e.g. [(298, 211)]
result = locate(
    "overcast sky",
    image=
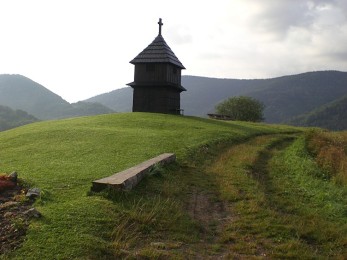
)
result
[(82, 48)]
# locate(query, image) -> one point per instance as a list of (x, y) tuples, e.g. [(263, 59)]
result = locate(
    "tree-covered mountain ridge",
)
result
[(10, 118), (285, 98), (21, 93), (332, 115)]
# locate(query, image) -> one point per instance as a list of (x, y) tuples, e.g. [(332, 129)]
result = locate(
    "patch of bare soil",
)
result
[(15, 212), (212, 215)]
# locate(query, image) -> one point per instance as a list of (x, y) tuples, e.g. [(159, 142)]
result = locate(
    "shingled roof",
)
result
[(159, 52)]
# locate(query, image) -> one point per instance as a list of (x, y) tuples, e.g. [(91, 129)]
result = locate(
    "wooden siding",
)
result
[(156, 100), (173, 74), (162, 73)]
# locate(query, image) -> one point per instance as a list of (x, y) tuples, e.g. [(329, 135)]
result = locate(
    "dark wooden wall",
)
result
[(156, 99), (157, 73)]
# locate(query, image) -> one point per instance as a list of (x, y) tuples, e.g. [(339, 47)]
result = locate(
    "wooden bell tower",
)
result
[(157, 79)]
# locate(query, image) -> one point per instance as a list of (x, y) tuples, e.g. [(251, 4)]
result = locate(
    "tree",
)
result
[(241, 108)]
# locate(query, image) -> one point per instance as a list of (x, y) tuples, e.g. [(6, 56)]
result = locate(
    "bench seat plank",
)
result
[(129, 178)]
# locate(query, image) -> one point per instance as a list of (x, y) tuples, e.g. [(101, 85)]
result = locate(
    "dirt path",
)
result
[(212, 216), (215, 211)]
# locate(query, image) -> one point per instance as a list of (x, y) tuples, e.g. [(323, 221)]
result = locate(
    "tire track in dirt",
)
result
[(259, 170), (213, 214)]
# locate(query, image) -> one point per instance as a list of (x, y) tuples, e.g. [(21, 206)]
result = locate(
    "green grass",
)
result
[(257, 192), (280, 207), (63, 157)]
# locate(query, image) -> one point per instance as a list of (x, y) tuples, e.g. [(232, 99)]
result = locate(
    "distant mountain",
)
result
[(284, 97), (10, 118), (120, 100), (19, 92), (82, 108), (332, 116), (297, 99), (291, 96)]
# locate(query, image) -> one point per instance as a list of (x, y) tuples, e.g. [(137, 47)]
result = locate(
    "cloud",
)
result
[(277, 18), (89, 49), (291, 36), (180, 34)]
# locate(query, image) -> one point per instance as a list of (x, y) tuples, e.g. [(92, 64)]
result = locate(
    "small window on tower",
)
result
[(150, 67)]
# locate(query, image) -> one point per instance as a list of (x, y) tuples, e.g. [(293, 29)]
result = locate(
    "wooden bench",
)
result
[(128, 179), (219, 117)]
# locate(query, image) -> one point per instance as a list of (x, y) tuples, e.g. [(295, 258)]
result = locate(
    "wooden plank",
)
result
[(128, 179)]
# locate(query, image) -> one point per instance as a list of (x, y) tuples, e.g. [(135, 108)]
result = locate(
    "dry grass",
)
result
[(330, 151)]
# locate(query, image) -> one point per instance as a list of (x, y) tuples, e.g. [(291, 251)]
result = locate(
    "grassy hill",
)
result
[(62, 158), (19, 92)]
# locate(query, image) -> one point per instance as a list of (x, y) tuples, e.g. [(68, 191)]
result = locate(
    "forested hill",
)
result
[(331, 116), (120, 100), (285, 97), (10, 118), (19, 92)]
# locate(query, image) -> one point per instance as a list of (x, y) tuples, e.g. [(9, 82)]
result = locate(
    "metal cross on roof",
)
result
[(160, 25)]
